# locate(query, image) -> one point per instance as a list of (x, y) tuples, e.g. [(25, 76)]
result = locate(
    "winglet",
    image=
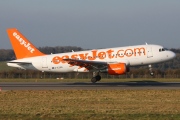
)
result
[(23, 48)]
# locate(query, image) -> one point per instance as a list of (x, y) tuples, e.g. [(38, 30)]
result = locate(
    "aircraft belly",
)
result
[(138, 61), (61, 68)]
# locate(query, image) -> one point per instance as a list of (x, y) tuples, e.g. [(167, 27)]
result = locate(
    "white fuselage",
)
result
[(130, 55)]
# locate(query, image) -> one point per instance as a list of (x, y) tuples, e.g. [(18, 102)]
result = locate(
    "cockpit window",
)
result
[(162, 49)]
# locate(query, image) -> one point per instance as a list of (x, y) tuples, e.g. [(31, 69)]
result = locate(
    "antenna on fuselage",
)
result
[(146, 43)]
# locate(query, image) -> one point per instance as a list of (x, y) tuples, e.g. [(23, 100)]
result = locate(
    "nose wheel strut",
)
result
[(150, 70)]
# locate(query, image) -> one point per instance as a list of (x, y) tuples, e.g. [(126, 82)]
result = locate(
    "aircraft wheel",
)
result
[(93, 80), (98, 77)]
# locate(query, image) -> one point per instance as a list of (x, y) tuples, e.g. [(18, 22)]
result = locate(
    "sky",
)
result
[(92, 24)]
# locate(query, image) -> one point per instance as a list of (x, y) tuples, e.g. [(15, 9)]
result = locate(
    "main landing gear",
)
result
[(96, 77), (150, 70)]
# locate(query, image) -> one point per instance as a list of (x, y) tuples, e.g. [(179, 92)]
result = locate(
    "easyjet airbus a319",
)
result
[(114, 61)]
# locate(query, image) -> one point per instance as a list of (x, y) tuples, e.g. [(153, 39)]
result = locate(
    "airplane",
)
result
[(114, 61)]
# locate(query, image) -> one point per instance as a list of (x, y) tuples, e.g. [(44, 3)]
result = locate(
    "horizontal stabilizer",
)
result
[(21, 63)]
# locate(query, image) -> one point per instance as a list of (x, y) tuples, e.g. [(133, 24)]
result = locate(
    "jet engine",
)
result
[(117, 69)]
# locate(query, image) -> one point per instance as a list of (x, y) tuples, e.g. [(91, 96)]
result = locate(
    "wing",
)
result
[(90, 65)]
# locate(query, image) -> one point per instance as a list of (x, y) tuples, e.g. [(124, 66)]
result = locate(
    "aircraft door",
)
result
[(149, 52), (44, 62)]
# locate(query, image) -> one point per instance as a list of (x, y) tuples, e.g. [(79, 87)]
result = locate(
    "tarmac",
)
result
[(134, 85)]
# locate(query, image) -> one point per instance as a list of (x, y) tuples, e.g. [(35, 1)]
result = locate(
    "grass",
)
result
[(90, 104), (4, 67)]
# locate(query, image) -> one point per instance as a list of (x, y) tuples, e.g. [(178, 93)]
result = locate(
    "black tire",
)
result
[(98, 77), (93, 80)]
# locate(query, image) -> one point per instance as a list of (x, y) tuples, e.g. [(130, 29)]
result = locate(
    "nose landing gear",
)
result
[(150, 70)]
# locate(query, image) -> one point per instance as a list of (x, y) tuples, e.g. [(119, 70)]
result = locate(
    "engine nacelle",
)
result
[(117, 69)]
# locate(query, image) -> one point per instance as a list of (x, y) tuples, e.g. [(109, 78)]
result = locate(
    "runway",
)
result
[(4, 86)]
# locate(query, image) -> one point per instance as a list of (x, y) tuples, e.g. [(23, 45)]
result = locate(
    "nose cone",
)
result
[(172, 55)]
